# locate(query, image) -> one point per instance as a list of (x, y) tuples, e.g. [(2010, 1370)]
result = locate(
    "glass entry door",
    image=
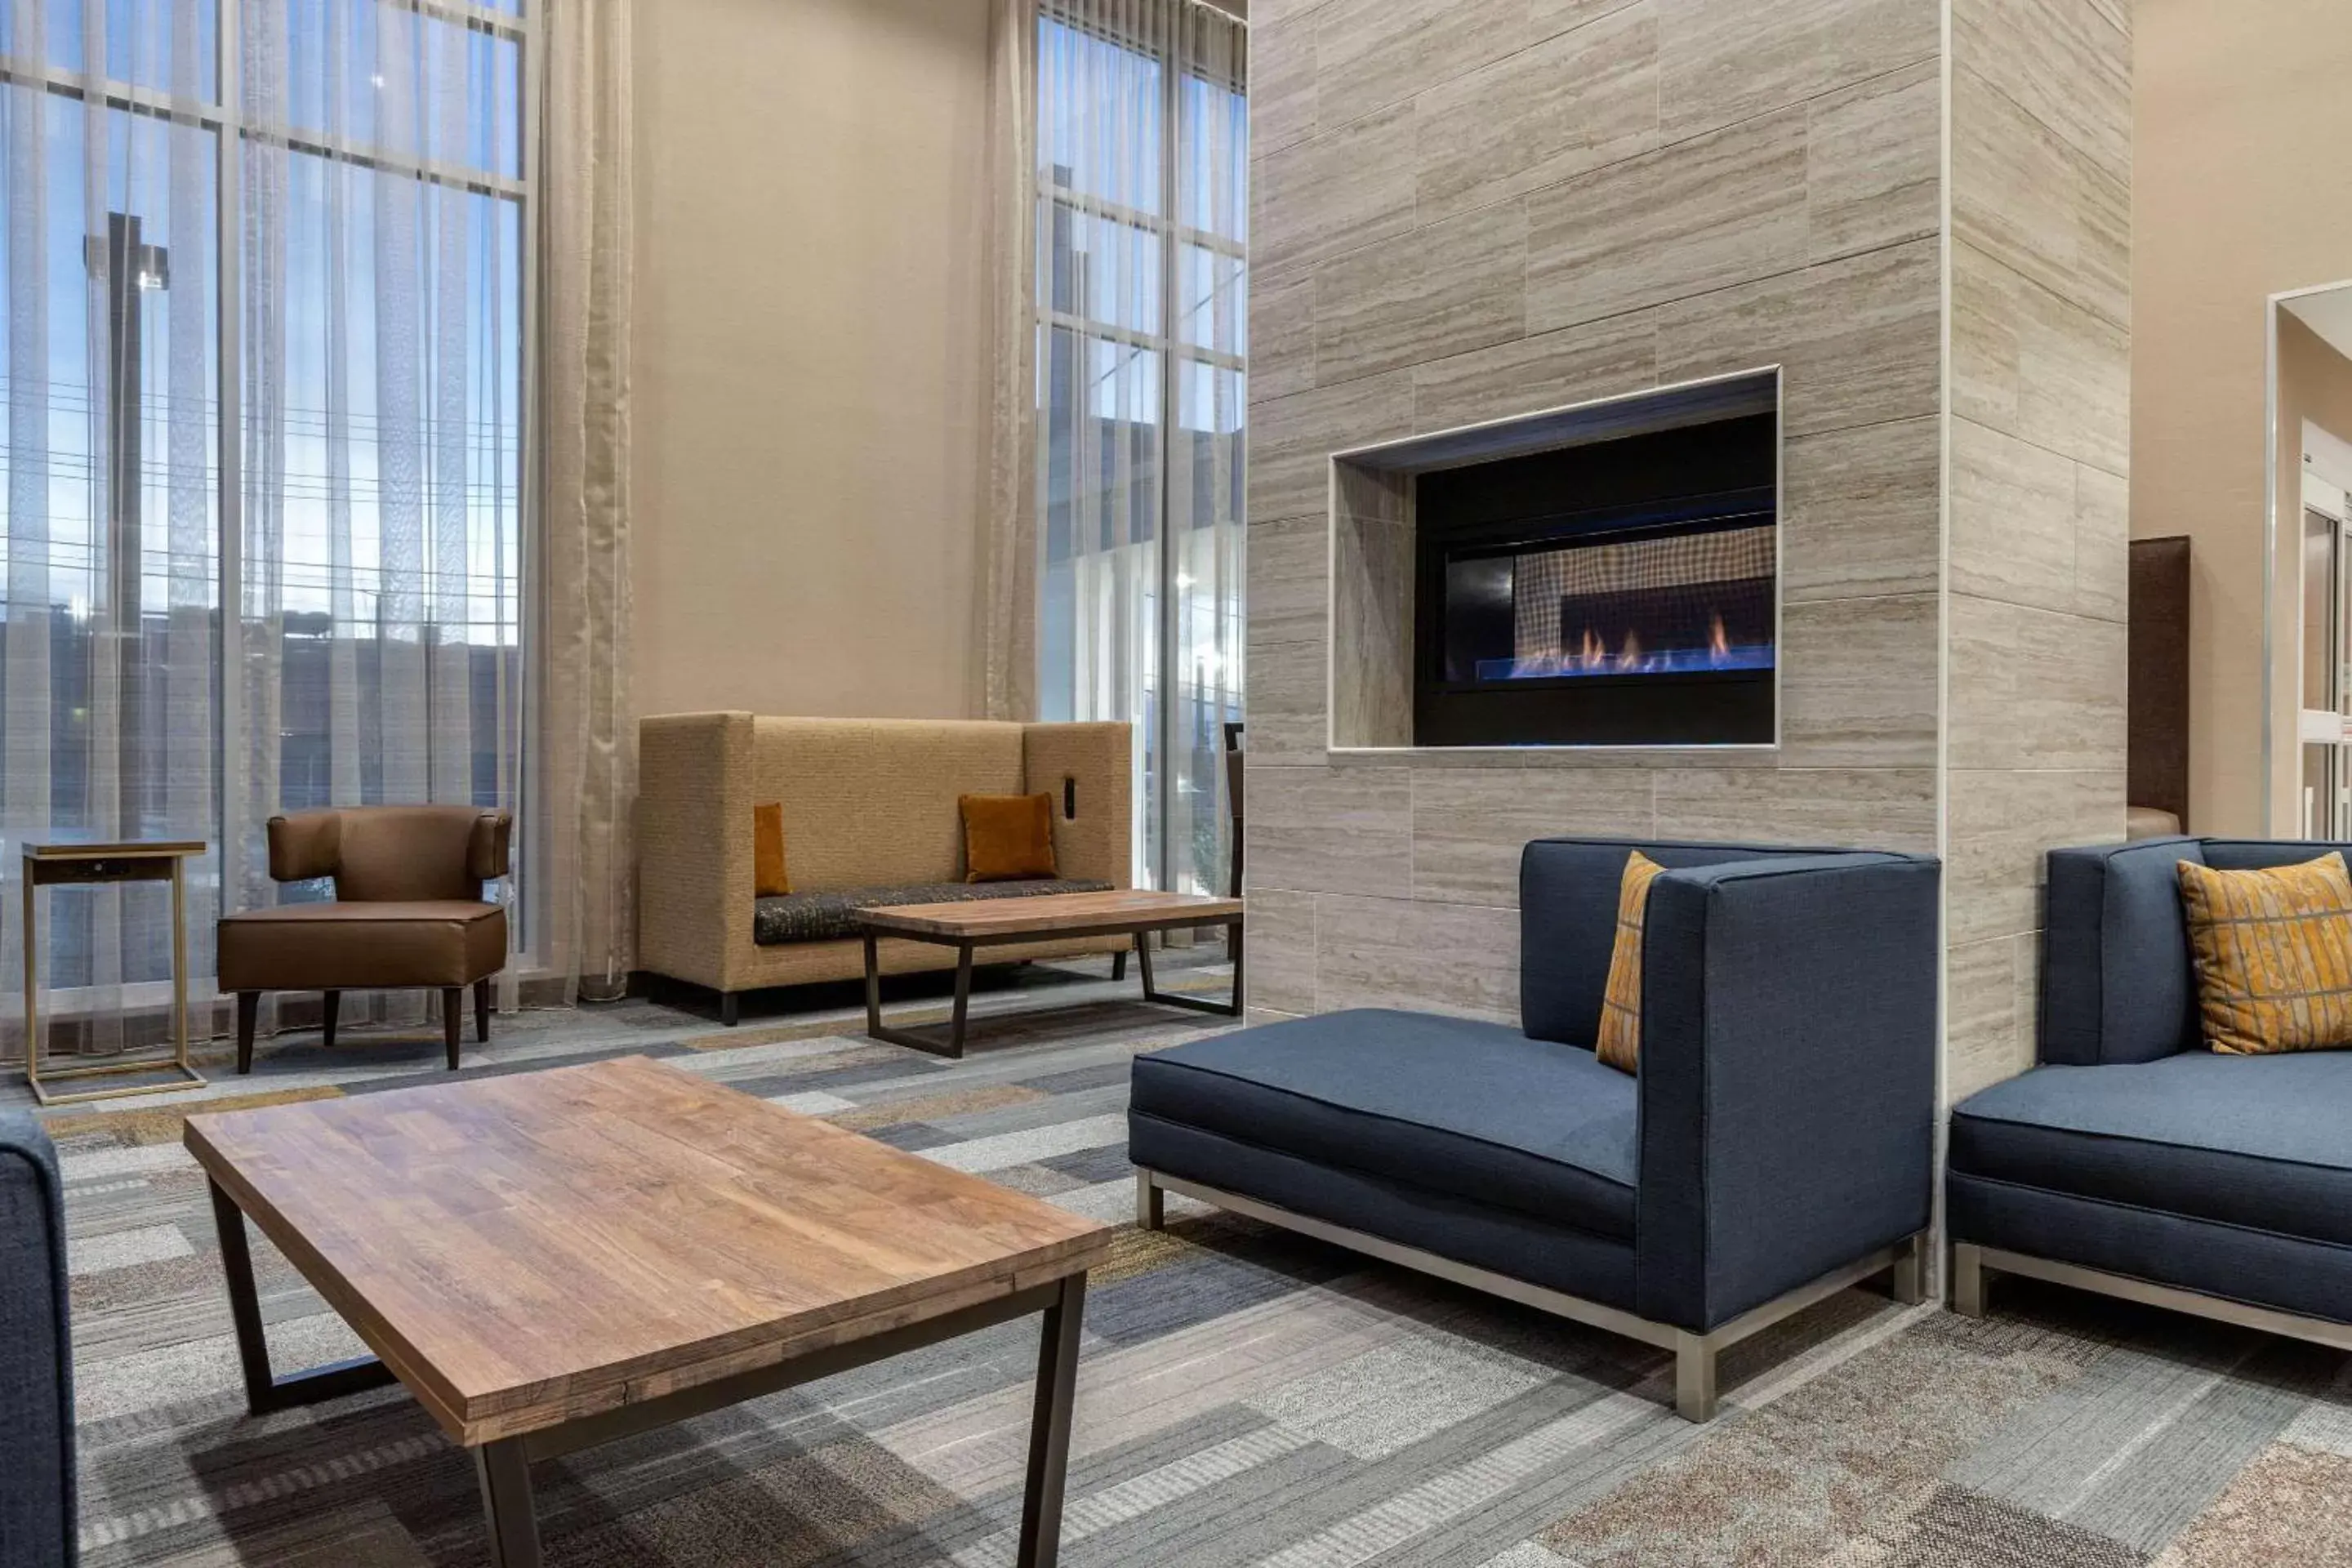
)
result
[(2326, 662)]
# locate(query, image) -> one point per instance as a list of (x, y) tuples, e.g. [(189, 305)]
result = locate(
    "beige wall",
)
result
[(810, 352), (2242, 118)]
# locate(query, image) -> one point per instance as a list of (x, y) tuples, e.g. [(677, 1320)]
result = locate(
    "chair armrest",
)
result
[(488, 850), (1788, 1077), (1086, 765), (694, 845), (37, 1431), (304, 845)]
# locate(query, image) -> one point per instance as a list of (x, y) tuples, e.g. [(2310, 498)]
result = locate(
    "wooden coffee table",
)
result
[(555, 1259), (986, 923)]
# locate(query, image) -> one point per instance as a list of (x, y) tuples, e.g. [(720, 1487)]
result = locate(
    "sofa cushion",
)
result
[(340, 944), (1473, 1109), (2273, 947), (822, 917), (37, 1431), (2257, 1142), (1619, 1044)]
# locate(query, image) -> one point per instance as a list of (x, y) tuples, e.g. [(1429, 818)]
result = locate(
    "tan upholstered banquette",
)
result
[(866, 802)]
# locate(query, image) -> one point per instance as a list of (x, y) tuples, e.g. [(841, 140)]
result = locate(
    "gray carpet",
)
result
[(1246, 1397)]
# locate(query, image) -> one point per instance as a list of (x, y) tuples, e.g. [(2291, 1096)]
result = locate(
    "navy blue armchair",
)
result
[(2133, 1160), (1776, 1145), (36, 1434)]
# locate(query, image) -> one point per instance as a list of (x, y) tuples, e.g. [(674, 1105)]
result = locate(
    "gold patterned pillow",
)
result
[(2273, 955), (1620, 1045)]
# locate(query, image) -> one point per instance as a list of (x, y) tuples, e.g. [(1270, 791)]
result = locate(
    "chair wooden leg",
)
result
[(249, 1014), (482, 1010), (329, 1002), (453, 1020)]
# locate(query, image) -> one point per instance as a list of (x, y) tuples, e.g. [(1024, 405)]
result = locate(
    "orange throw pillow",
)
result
[(2273, 950), (1007, 837), (770, 876), (1620, 1045)]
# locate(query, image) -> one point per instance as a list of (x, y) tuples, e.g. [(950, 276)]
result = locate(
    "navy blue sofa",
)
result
[(2135, 1160), (1777, 1145), (36, 1442)]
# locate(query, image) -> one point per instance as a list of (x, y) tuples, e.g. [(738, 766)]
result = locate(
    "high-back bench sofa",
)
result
[(1776, 1146), (2134, 1160), (870, 817)]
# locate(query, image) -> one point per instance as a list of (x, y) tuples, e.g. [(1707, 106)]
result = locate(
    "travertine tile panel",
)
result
[(1462, 959), (2012, 519), (1282, 98), (1859, 340), (1989, 1013), (1272, 14), (1551, 17), (1375, 52), (1287, 717), (1873, 163), (1575, 364), (1371, 633), (1859, 514), (2031, 200), (1278, 932), (2102, 544), (1292, 440), (1858, 683), (1702, 214), (1345, 831), (2065, 62), (2000, 826), (2034, 689), (1350, 185), (1570, 104), (1442, 290), (1289, 581), (2027, 362), (1281, 339), (1876, 809), (1469, 824), (1372, 494), (1725, 60)]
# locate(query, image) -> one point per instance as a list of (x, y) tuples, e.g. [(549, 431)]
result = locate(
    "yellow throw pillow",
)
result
[(1007, 837), (1620, 1045), (770, 876), (2273, 955)]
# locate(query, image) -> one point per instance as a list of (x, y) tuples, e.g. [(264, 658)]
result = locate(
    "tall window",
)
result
[(1142, 367), (266, 275)]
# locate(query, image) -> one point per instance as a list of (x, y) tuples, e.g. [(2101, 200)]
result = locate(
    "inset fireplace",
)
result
[(1601, 576)]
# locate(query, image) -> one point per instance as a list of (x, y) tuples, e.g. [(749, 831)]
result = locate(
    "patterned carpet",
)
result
[(1245, 1397)]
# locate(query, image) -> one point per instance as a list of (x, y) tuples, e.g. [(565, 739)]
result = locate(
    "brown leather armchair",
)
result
[(407, 912)]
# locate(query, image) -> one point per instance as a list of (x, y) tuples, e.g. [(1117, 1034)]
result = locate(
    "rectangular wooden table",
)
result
[(554, 1259), (985, 922)]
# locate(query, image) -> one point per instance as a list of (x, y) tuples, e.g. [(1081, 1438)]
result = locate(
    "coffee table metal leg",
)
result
[(1049, 1427), (876, 1029), (264, 1392), (1152, 992), (507, 1509)]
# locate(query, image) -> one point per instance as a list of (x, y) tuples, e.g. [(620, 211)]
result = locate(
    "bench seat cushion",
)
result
[(2262, 1142), (829, 916), (1474, 1111)]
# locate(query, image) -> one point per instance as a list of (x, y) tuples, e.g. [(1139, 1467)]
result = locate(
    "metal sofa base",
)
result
[(1695, 1355), (1971, 1263)]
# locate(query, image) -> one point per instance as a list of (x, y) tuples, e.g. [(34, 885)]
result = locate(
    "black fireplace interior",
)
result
[(1620, 592)]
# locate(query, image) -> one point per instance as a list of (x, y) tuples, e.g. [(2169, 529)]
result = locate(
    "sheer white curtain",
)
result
[(268, 311), (380, 656), (108, 179), (1138, 305)]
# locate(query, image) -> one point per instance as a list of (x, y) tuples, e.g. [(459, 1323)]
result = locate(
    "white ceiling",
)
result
[(2328, 314)]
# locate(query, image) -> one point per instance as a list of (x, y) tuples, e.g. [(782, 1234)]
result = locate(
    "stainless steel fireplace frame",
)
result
[(1701, 399)]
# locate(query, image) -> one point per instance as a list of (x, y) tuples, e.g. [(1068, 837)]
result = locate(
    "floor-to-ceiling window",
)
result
[(266, 275), (1142, 366)]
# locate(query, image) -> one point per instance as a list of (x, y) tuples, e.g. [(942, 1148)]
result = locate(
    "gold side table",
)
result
[(136, 860)]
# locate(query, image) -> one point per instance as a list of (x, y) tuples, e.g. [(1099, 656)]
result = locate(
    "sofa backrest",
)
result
[(1568, 922), (36, 1434), (872, 802), (2116, 981)]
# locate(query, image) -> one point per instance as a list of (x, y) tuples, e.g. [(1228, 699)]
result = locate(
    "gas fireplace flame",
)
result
[(1630, 655), (1719, 645)]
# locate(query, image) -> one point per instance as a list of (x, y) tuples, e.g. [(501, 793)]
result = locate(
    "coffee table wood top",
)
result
[(1047, 914), (526, 1249)]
